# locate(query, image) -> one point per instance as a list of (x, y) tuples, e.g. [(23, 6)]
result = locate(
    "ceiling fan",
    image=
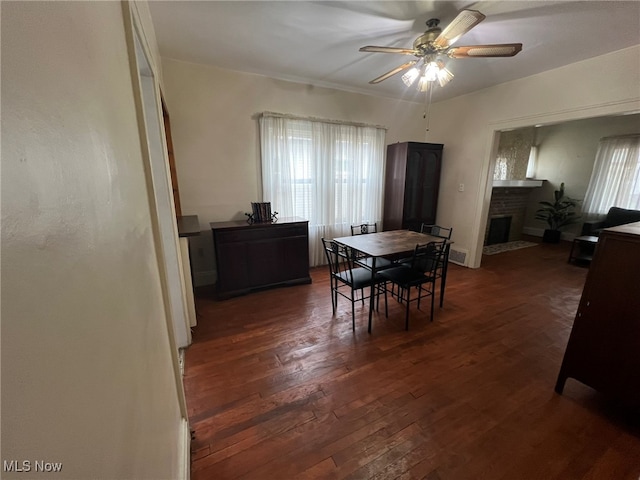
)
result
[(435, 42)]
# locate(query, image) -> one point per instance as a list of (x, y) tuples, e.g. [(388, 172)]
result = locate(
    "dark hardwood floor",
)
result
[(278, 388)]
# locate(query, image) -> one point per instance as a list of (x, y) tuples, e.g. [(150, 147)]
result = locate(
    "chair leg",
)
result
[(443, 282), (386, 307), (353, 315), (399, 296), (333, 299), (406, 315), (433, 296)]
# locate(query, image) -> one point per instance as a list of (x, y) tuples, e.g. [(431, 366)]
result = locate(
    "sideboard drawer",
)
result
[(253, 233)]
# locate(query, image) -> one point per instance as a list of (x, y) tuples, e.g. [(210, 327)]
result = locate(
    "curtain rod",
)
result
[(621, 137), (316, 119)]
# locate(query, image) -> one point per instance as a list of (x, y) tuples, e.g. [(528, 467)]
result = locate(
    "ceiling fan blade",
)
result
[(391, 73), (465, 21), (499, 50), (373, 49)]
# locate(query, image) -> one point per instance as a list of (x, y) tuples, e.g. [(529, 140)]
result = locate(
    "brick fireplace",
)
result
[(506, 211), (499, 229)]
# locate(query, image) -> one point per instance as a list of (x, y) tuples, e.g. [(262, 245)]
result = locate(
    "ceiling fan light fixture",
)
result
[(410, 76), (436, 42), (423, 84), (444, 75), (431, 71)]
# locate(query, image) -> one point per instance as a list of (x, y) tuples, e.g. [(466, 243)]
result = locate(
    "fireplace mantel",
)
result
[(518, 183)]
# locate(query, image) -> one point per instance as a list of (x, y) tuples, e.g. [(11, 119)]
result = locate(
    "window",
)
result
[(615, 180), (328, 173)]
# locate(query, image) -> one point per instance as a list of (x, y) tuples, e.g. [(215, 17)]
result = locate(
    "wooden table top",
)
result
[(387, 243)]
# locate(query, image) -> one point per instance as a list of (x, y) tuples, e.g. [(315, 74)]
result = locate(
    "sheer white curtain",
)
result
[(328, 173), (615, 180)]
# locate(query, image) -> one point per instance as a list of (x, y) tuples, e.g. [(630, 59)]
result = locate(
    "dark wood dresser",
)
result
[(258, 255), (604, 346)]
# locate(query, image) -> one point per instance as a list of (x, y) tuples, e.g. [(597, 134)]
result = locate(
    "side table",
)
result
[(582, 248)]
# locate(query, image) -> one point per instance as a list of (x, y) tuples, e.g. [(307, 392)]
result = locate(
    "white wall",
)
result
[(87, 372), (215, 133), (566, 154)]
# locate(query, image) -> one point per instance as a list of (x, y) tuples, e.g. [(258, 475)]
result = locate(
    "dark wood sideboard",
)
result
[(259, 255), (604, 345)]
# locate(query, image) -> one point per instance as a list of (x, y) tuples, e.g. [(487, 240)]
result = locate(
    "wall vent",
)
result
[(458, 256)]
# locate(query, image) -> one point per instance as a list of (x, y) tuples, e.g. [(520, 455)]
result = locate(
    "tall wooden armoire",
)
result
[(411, 186)]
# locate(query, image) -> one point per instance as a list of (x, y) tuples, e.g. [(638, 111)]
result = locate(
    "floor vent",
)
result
[(458, 256)]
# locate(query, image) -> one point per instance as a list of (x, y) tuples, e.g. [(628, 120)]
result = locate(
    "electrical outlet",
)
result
[(461, 187)]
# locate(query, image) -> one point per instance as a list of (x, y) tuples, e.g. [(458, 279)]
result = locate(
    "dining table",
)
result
[(389, 244)]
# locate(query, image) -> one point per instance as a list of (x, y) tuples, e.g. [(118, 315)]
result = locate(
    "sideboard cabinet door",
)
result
[(604, 345), (252, 256)]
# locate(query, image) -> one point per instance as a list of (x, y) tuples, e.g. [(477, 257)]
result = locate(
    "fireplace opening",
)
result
[(499, 230)]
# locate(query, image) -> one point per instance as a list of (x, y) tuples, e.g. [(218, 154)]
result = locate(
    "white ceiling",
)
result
[(317, 42)]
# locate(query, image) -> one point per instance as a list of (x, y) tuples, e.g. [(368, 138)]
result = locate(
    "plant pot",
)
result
[(551, 236)]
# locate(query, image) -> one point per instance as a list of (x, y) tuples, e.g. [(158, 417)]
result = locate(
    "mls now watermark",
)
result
[(29, 466)]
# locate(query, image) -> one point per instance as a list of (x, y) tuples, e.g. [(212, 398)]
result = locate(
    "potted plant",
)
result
[(557, 214)]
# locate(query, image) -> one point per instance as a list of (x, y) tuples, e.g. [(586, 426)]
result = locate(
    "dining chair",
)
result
[(436, 231), (420, 274), (364, 260), (347, 279), (364, 228), (443, 267)]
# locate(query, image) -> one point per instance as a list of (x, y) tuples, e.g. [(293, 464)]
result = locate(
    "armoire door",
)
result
[(412, 178), (421, 189)]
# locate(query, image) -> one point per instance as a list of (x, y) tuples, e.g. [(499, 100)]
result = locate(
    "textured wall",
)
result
[(513, 154), (87, 372)]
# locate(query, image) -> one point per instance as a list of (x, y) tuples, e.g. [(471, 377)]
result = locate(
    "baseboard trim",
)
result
[(185, 457), (534, 232), (539, 232)]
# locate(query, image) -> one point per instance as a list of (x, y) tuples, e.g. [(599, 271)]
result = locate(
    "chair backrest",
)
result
[(331, 252), (339, 258), (364, 228), (437, 231), (426, 257)]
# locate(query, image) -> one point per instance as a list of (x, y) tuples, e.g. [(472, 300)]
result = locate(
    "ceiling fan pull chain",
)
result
[(427, 104)]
